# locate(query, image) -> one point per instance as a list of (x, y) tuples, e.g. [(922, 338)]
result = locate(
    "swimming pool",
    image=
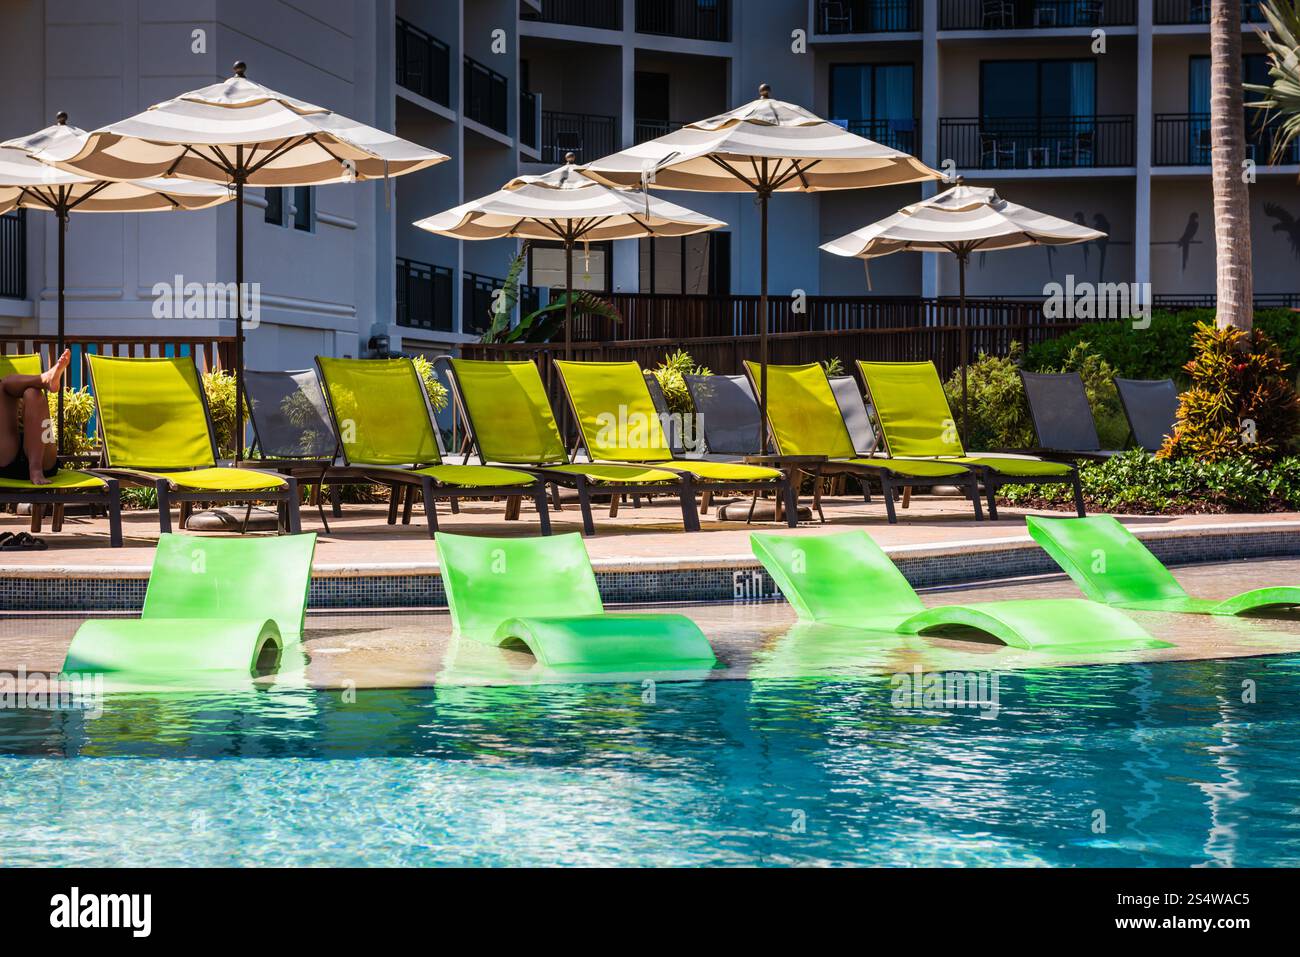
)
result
[(1165, 756)]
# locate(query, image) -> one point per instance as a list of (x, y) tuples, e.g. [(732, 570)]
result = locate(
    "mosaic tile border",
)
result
[(624, 582)]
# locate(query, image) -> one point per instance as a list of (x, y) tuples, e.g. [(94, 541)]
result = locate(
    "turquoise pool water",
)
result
[(720, 773)]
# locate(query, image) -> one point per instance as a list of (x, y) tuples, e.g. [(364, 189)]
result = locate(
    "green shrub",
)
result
[(219, 386), (669, 374), (78, 408), (433, 386)]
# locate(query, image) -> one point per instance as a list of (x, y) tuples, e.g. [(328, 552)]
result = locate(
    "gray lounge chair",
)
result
[(1062, 417), (728, 414), (1151, 407), (854, 409)]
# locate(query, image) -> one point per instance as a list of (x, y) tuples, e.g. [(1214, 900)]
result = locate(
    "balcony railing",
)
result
[(643, 130), (1034, 14), (896, 134), (423, 63), (1037, 142), (587, 136), (13, 255), (1183, 139), (424, 299), (1168, 12), (476, 301), (485, 95), (691, 19), (528, 118), (868, 16), (604, 14)]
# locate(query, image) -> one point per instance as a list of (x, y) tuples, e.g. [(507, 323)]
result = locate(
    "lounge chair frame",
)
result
[(1041, 426)]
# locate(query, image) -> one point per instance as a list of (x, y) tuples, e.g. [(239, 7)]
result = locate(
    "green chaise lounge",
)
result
[(805, 419), (68, 486), (846, 579), (213, 605), (618, 423), (542, 592), (916, 422), (511, 423), (156, 433), (1110, 565), (385, 427)]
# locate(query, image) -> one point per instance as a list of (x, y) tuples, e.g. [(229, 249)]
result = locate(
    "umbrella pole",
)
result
[(238, 437), (59, 345), (762, 325), (568, 298), (965, 345)]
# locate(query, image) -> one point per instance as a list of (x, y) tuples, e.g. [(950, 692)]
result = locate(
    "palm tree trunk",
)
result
[(1234, 283)]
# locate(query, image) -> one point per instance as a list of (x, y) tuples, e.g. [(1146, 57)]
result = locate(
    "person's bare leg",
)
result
[(38, 435), (48, 381)]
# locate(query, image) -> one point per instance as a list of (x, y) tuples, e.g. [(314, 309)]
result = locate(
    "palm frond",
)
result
[(1281, 97)]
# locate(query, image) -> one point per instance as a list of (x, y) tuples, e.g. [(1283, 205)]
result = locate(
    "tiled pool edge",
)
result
[(653, 581)]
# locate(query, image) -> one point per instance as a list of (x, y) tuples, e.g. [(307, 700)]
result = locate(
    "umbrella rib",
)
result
[(732, 170), (101, 185), (284, 147), (796, 170)]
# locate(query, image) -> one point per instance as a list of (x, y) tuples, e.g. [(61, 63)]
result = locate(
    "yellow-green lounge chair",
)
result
[(916, 422), (618, 422), (385, 427), (67, 487), (156, 432), (806, 420), (511, 422)]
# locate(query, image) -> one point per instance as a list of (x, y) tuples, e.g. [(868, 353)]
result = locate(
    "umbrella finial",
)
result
[(61, 117), (240, 67), (570, 158), (764, 91)]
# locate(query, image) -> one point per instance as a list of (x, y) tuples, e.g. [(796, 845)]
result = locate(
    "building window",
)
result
[(697, 265), (592, 266), (875, 100), (274, 205), (1037, 89), (304, 208)]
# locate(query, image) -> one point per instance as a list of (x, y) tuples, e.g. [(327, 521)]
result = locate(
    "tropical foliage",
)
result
[(544, 324), (669, 374), (1281, 97)]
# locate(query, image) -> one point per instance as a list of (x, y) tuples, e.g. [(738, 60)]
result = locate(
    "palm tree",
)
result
[(1282, 96), (1228, 153)]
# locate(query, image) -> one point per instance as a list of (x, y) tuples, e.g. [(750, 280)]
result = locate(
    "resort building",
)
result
[(1093, 110)]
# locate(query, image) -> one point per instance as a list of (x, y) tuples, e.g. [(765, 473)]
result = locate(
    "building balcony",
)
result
[(1183, 139), (13, 255), (423, 63), (476, 301), (1180, 12), (485, 93), (901, 135), (1035, 14), (529, 128), (689, 19), (587, 136), (424, 296), (601, 14), (643, 129), (1037, 142), (868, 16)]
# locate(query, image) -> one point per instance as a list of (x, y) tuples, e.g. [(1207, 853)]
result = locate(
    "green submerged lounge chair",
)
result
[(156, 432), (917, 423), (385, 427), (846, 579), (1110, 565), (68, 486), (542, 592), (805, 419), (213, 606), (618, 423), (511, 423)]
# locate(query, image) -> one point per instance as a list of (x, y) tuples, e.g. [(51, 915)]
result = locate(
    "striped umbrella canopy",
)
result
[(26, 182), (960, 221), (766, 146), (570, 207), (241, 133)]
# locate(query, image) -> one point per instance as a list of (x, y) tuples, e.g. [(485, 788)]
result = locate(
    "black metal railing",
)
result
[(643, 130), (896, 134), (423, 63), (1168, 12), (1034, 14), (691, 19), (868, 16), (424, 296), (1183, 139), (13, 255), (587, 136), (604, 14), (485, 95), (1037, 142), (477, 302), (528, 118)]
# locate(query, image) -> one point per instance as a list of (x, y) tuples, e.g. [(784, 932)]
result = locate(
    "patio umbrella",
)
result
[(241, 133), (763, 147), (959, 221), (28, 183), (568, 206)]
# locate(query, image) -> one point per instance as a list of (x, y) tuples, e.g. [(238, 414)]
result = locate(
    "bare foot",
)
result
[(52, 376), (38, 477)]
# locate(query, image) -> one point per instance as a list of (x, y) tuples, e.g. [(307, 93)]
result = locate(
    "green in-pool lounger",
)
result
[(68, 487), (916, 422), (156, 433), (542, 592), (511, 423), (846, 579), (385, 426), (228, 605), (1111, 566), (618, 422), (806, 420)]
